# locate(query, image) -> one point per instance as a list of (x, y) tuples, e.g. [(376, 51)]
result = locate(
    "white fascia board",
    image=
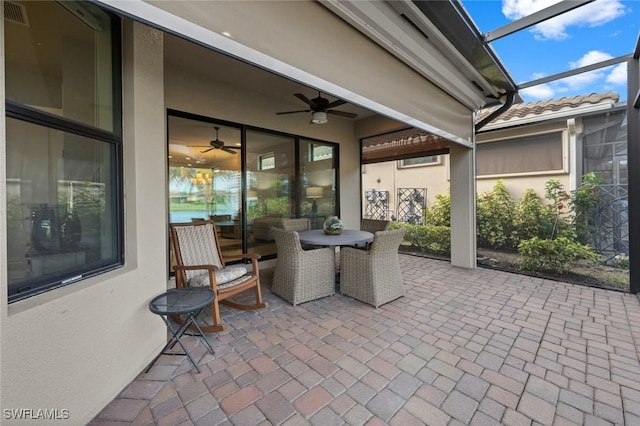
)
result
[(548, 115), (381, 22), (151, 15)]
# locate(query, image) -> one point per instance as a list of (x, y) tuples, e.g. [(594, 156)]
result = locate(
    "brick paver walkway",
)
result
[(463, 347)]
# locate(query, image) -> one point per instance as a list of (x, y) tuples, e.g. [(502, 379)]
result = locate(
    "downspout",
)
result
[(510, 97)]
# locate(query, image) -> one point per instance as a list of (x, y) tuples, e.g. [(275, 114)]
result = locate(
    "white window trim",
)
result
[(438, 162)]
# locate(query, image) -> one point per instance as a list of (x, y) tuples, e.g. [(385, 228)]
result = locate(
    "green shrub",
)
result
[(558, 255), (495, 218), (439, 214), (559, 206), (532, 218), (426, 238), (584, 203)]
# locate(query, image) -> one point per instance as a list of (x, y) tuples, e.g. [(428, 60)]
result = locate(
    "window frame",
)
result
[(24, 113), (266, 156), (437, 161)]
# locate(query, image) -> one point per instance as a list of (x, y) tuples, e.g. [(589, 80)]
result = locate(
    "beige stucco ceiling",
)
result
[(187, 139)]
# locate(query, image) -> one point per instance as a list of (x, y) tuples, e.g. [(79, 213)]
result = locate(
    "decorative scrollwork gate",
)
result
[(411, 204), (377, 204), (612, 221)]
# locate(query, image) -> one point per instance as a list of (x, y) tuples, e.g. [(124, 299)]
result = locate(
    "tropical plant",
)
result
[(439, 214), (558, 255), (496, 217), (584, 202)]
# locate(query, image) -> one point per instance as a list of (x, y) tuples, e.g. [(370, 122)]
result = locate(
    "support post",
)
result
[(463, 205)]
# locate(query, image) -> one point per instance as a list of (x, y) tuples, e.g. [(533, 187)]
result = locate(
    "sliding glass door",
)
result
[(247, 180), (271, 183), (318, 175)]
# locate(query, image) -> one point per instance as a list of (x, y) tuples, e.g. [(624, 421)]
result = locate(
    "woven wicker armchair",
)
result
[(374, 225), (373, 276), (301, 275), (199, 263), (300, 224)]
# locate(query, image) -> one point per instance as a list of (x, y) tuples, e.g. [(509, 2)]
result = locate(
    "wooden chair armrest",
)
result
[(195, 268)]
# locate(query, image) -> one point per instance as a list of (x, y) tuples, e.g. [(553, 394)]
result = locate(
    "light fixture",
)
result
[(314, 192), (319, 117)]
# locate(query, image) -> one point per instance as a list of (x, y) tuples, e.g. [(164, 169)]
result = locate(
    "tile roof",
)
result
[(532, 109)]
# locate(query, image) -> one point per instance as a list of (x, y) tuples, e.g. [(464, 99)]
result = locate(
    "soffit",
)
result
[(438, 40)]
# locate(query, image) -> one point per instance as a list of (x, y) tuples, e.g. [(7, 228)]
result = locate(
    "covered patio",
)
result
[(463, 346)]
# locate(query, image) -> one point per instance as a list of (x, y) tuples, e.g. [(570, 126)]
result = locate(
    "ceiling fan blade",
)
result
[(206, 150), (293, 112), (304, 99), (342, 113), (228, 149), (336, 103)]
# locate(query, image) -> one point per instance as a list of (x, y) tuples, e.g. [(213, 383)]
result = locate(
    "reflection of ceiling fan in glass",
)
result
[(218, 144), (319, 108)]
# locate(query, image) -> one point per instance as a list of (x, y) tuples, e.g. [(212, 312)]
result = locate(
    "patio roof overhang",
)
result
[(429, 84), (401, 144), (430, 36)]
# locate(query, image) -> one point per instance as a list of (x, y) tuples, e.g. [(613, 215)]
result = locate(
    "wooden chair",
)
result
[(373, 276), (199, 263)]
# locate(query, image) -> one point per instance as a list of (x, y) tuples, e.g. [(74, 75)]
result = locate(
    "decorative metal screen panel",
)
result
[(411, 203), (612, 221), (376, 204)]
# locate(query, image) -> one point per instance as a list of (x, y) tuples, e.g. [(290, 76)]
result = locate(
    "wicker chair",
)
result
[(374, 225), (301, 275), (373, 276), (300, 224), (199, 263)]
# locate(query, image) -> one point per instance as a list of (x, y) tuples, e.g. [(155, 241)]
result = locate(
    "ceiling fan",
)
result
[(319, 108), (218, 144)]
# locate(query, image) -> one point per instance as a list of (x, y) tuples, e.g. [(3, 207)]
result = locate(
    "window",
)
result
[(267, 161), (63, 142), (319, 152), (525, 155), (419, 161)]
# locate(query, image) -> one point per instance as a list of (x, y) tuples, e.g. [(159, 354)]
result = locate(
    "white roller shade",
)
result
[(306, 42)]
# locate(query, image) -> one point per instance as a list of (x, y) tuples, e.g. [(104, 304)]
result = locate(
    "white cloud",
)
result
[(598, 80), (590, 15), (589, 58), (580, 81), (618, 75), (541, 91)]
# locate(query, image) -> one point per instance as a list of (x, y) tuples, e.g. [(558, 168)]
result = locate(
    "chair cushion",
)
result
[(224, 277)]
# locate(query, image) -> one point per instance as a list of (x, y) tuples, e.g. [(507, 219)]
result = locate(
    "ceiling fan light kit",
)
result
[(319, 117), (319, 108)]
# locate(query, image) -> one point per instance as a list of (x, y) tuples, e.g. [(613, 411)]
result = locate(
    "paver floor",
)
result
[(462, 347)]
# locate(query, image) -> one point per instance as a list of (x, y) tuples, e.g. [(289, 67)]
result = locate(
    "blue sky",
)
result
[(592, 33)]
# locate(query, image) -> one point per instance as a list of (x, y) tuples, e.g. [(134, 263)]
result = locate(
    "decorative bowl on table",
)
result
[(332, 226)]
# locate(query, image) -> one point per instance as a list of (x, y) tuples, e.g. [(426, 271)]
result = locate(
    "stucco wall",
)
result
[(76, 347), (390, 177)]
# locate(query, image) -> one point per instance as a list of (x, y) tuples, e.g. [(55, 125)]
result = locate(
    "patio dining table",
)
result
[(348, 237)]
